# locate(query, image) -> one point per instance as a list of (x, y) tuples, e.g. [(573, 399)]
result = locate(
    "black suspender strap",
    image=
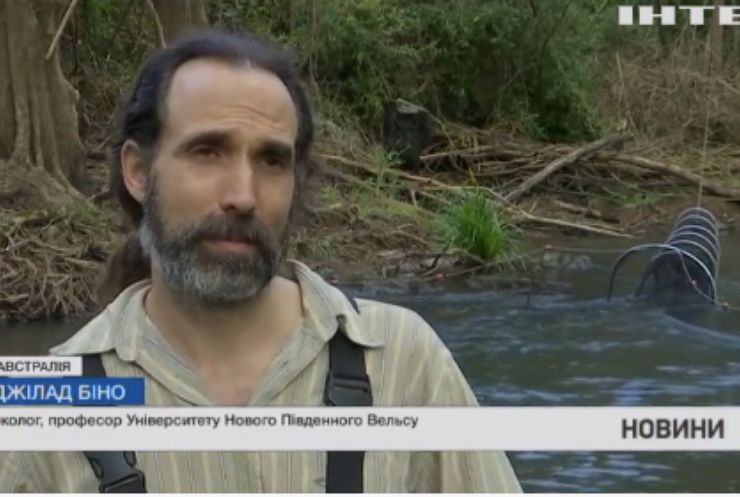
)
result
[(354, 303), (347, 385), (116, 471), (92, 366)]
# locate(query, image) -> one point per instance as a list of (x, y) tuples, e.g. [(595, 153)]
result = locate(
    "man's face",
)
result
[(217, 198)]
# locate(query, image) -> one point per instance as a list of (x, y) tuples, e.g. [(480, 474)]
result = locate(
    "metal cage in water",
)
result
[(686, 263)]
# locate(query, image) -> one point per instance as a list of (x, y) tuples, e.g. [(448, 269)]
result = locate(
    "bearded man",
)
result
[(211, 165)]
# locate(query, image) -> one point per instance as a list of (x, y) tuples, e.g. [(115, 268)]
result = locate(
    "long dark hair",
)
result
[(144, 113)]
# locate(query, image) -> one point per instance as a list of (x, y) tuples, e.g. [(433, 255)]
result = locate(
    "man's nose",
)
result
[(240, 190)]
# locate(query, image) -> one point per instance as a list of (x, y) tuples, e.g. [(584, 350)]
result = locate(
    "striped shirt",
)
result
[(406, 361)]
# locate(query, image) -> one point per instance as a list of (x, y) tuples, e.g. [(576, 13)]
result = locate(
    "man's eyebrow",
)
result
[(215, 139), (222, 139), (277, 148)]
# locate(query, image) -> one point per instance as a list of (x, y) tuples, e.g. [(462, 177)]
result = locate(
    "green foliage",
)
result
[(539, 68), (473, 224), (526, 66)]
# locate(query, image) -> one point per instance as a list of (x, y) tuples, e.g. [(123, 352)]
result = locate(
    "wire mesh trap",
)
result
[(685, 265)]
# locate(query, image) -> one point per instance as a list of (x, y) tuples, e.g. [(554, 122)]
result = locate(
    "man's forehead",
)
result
[(208, 89)]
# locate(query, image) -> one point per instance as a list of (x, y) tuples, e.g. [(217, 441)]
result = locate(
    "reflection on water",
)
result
[(574, 348)]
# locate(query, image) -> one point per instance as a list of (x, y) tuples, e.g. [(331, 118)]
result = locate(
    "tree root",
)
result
[(50, 261)]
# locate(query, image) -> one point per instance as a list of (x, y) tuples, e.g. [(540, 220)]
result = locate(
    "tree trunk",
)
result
[(179, 17), (41, 154)]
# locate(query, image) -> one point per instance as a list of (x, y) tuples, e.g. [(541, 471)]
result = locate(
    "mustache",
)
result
[(239, 228)]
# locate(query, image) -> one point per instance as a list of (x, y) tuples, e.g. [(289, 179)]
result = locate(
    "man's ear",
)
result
[(133, 170)]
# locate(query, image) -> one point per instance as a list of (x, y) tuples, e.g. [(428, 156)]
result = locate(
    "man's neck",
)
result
[(210, 336)]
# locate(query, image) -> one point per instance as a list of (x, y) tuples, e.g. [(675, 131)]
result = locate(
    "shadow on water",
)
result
[(571, 347)]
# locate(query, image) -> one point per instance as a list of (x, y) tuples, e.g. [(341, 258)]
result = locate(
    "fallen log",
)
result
[(561, 162)]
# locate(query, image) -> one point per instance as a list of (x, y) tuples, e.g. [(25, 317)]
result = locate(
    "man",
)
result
[(211, 166)]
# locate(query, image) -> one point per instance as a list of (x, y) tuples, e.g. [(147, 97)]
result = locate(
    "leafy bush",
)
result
[(484, 63)]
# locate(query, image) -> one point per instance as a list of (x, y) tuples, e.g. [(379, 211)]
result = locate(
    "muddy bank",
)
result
[(408, 263)]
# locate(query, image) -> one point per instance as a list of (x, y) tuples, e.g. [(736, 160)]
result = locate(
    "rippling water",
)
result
[(574, 348)]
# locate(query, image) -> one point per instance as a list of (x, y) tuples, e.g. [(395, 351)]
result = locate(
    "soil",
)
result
[(662, 215), (404, 257)]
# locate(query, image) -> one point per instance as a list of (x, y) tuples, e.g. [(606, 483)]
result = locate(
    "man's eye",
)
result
[(205, 152), (273, 161)]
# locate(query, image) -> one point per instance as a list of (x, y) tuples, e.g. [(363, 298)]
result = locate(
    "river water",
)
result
[(567, 346)]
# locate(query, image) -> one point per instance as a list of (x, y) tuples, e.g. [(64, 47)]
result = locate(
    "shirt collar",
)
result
[(324, 303), (121, 325)]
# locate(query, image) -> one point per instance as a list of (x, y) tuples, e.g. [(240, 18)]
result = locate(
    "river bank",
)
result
[(408, 260), (489, 201), (373, 221)]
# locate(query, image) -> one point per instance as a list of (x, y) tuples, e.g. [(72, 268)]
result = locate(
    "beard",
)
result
[(199, 276)]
